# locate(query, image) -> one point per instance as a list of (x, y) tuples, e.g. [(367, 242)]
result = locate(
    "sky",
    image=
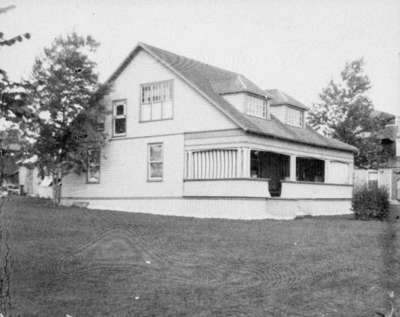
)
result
[(293, 45)]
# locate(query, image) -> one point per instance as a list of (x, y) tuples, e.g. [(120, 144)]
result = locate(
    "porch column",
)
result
[(245, 163), (326, 171), (292, 168)]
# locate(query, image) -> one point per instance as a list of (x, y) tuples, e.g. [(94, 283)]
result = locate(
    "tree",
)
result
[(66, 96), (346, 113), (12, 109), (12, 102)]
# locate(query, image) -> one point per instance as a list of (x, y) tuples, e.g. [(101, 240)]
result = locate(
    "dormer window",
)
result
[(294, 117), (256, 107)]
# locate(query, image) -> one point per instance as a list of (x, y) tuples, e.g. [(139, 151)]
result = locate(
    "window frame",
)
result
[(149, 162), (141, 104), (115, 104), (301, 117), (251, 107), (88, 166)]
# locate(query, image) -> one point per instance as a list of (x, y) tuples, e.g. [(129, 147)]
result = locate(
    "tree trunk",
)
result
[(57, 183)]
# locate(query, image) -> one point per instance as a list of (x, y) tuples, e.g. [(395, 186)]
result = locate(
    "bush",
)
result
[(370, 203)]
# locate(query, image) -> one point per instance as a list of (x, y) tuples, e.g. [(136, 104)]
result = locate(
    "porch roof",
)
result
[(211, 82)]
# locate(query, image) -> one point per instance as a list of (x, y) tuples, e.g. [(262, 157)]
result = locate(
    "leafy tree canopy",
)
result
[(66, 96), (346, 113), (13, 96)]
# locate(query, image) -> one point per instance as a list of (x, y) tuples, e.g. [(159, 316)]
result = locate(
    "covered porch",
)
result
[(251, 172)]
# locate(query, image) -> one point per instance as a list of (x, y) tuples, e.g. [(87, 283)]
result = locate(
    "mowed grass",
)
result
[(103, 263)]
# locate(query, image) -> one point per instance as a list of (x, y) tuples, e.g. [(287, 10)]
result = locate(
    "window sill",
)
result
[(156, 120), (118, 136), (155, 180)]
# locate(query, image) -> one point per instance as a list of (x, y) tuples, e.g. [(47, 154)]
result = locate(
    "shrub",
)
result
[(370, 203)]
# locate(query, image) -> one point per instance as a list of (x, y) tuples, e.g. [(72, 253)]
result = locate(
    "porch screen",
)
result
[(310, 169), (211, 164)]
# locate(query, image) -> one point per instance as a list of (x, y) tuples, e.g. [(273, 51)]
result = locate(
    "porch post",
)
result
[(326, 171), (293, 168), (245, 163)]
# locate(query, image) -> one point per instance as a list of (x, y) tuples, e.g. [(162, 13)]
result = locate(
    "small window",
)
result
[(256, 107), (156, 101), (294, 117), (119, 118), (155, 162), (93, 170)]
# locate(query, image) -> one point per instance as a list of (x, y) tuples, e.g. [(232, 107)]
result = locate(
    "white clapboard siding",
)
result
[(338, 172), (212, 164)]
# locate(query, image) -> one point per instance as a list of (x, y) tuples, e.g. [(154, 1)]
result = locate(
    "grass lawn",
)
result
[(102, 263)]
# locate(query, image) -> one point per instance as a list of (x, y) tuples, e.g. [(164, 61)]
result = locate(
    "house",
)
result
[(191, 139), (33, 184), (388, 175)]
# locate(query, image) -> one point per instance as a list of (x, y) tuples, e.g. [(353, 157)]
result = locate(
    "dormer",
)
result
[(244, 95), (250, 104), (287, 109)]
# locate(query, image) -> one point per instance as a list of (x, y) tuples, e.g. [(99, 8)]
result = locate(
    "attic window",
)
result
[(156, 101), (256, 107), (294, 117)]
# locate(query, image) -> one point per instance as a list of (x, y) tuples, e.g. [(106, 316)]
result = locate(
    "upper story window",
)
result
[(256, 107), (119, 118), (156, 101), (294, 117)]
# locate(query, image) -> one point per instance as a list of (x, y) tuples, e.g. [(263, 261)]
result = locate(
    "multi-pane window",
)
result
[(119, 117), (155, 162), (256, 107), (156, 101), (294, 117), (93, 169)]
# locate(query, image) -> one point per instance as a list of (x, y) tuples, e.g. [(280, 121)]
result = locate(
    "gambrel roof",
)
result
[(212, 82)]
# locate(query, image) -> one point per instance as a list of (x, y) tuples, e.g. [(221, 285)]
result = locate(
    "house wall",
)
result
[(315, 190), (238, 100), (224, 207), (123, 172), (227, 188)]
